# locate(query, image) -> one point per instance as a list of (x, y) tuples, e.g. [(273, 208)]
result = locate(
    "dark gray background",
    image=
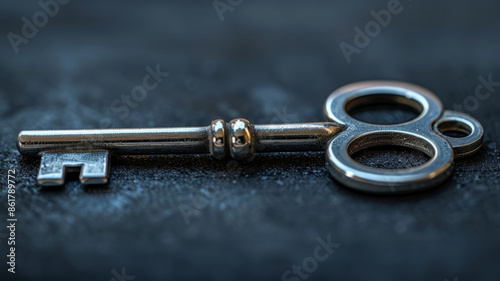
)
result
[(268, 61)]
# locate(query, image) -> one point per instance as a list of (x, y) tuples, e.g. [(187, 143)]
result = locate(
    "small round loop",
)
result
[(457, 121)]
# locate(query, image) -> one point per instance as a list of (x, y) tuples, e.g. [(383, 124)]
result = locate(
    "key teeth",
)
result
[(94, 167), (94, 180), (50, 181)]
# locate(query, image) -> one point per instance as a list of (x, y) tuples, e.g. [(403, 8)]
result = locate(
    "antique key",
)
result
[(341, 136)]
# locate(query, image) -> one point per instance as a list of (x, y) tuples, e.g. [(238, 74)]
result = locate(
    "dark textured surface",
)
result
[(267, 62)]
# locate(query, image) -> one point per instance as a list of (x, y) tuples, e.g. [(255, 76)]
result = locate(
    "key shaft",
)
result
[(119, 141), (89, 150), (238, 139)]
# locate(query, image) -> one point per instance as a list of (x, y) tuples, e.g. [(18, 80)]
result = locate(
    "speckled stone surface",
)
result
[(267, 62)]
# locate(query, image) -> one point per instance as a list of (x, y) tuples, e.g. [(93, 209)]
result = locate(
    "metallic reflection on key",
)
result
[(94, 167), (237, 139), (340, 138)]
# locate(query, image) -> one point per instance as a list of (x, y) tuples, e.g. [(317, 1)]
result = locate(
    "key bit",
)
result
[(93, 167)]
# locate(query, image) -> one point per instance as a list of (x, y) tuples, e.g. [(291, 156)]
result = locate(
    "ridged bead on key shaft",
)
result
[(237, 138), (241, 139), (217, 139)]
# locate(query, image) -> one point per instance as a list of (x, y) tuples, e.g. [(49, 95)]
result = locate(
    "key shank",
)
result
[(238, 139)]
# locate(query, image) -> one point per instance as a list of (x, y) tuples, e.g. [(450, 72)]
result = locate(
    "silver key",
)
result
[(341, 137), (238, 139)]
